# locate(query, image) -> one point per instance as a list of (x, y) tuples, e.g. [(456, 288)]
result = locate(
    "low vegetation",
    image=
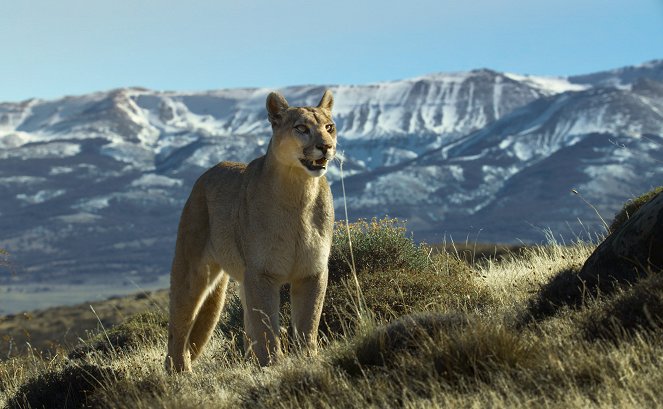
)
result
[(409, 326), (631, 207)]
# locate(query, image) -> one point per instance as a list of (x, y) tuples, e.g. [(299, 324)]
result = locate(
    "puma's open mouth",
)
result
[(317, 164)]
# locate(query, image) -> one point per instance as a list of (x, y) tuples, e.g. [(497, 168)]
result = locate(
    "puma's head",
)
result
[(303, 137)]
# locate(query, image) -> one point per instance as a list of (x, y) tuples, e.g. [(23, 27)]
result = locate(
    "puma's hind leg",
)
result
[(207, 317), (189, 287)]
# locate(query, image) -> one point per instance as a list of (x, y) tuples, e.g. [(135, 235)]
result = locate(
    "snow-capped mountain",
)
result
[(514, 176), (91, 186)]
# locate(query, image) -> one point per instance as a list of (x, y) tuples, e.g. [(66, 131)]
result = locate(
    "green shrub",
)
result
[(396, 276), (376, 245), (632, 206)]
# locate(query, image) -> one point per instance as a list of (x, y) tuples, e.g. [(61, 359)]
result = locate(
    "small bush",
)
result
[(376, 245), (392, 293), (396, 276), (632, 206)]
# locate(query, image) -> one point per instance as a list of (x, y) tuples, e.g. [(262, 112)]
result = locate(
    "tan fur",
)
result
[(263, 224)]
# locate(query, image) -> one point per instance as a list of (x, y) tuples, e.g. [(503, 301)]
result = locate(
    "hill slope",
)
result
[(439, 333)]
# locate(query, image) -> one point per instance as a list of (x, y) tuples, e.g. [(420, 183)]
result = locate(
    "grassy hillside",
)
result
[(424, 329)]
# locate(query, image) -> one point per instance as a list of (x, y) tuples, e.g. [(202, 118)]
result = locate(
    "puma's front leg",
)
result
[(307, 296), (261, 317)]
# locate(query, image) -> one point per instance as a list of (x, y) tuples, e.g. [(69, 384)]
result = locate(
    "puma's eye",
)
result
[(329, 128), (301, 129)]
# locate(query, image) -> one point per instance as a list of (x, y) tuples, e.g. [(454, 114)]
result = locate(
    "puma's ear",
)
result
[(327, 101), (276, 104)]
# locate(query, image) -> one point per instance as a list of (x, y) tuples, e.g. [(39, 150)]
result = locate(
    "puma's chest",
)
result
[(294, 242)]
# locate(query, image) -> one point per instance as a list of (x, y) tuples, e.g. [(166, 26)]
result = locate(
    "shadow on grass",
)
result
[(404, 335), (72, 387), (573, 288), (636, 308), (450, 347)]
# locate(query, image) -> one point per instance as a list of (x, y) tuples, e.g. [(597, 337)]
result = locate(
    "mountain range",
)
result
[(92, 185)]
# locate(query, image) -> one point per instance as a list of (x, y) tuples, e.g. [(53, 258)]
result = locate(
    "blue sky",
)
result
[(65, 47)]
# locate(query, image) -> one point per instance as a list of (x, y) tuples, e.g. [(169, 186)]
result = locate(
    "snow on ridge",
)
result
[(42, 151), (446, 77), (151, 179), (21, 180), (553, 85), (432, 108), (93, 204), (15, 139), (148, 134), (78, 218), (135, 155)]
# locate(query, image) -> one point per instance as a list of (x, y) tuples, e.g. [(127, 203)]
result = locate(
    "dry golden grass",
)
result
[(468, 348)]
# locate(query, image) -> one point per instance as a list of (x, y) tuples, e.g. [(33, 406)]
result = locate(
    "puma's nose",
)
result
[(324, 148)]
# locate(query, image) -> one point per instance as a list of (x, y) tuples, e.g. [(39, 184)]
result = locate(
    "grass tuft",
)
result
[(295, 384), (138, 330), (632, 206), (380, 346)]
